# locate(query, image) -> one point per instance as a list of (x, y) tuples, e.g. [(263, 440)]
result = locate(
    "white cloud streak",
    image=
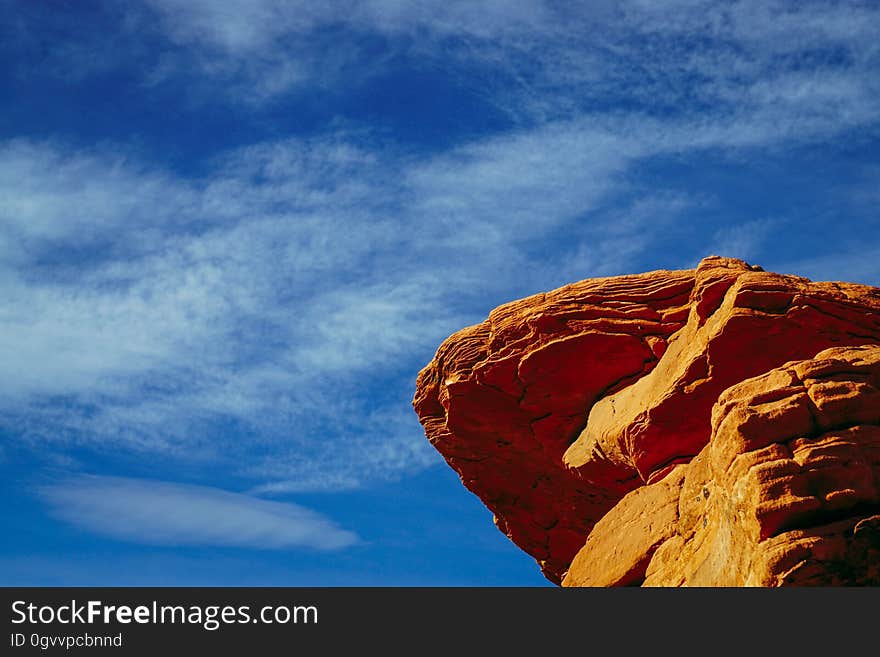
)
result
[(255, 296), (744, 240), (294, 289), (162, 513), (535, 60)]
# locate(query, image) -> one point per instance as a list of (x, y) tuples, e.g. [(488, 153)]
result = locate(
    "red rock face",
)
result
[(599, 423)]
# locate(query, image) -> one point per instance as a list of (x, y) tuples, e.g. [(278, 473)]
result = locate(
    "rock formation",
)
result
[(709, 427)]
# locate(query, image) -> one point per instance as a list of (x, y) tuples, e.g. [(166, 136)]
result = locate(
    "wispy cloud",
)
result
[(289, 291), (146, 321), (157, 310), (536, 59), (161, 513), (745, 240), (46, 196)]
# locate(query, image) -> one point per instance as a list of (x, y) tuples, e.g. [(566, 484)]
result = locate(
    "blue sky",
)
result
[(231, 233)]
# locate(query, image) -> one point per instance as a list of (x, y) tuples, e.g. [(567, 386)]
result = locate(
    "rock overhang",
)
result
[(558, 405)]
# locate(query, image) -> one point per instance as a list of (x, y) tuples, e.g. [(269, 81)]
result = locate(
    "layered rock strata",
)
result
[(716, 426)]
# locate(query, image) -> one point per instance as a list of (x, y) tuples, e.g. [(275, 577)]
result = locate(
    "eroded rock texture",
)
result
[(717, 426)]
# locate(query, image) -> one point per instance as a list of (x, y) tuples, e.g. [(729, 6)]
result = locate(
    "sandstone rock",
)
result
[(671, 427), (791, 481), (620, 546)]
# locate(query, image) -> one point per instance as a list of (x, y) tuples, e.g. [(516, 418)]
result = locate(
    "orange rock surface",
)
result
[(717, 426)]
